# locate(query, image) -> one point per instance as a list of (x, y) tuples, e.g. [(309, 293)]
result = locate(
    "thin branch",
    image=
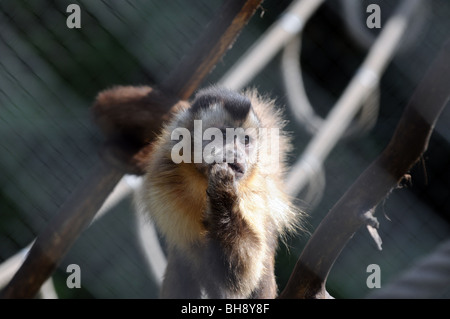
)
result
[(62, 231), (233, 16), (355, 208), (55, 241), (290, 23), (360, 88)]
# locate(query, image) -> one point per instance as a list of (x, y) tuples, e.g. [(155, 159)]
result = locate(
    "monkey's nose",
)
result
[(239, 169)]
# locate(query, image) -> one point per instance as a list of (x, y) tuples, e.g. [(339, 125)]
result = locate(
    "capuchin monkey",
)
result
[(214, 188)]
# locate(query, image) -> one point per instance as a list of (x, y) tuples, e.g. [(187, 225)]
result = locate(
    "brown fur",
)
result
[(222, 232), (131, 117)]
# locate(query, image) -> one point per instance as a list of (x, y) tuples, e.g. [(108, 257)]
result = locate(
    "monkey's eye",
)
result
[(247, 140)]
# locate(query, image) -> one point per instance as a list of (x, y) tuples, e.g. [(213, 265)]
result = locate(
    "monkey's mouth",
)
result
[(238, 169)]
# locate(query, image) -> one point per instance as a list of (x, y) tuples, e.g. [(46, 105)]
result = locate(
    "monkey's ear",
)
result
[(131, 117)]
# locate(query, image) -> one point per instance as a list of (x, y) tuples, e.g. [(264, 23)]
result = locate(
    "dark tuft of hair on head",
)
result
[(235, 103)]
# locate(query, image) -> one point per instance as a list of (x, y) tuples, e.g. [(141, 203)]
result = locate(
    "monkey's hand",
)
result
[(222, 211), (223, 219), (221, 191), (230, 241)]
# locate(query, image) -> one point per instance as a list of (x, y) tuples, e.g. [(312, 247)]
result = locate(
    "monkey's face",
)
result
[(233, 146), (225, 130)]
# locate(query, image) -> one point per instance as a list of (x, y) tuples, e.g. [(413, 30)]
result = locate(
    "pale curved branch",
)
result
[(409, 142)]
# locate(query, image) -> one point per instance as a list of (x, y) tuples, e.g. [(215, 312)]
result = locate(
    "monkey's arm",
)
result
[(231, 243)]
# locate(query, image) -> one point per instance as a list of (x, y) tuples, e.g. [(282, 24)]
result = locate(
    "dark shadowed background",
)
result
[(50, 75)]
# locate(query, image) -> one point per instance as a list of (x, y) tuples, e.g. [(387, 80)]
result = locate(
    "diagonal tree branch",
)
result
[(356, 206), (76, 214)]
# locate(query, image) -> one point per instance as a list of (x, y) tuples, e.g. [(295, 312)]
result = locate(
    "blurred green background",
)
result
[(50, 75)]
